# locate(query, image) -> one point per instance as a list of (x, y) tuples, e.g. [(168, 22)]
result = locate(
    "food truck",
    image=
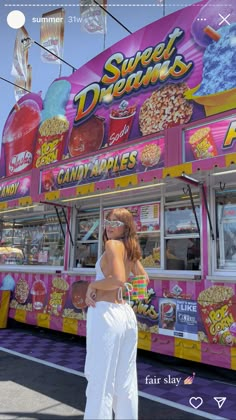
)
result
[(149, 124)]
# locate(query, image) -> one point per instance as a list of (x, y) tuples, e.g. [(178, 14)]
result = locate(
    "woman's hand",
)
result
[(90, 296)]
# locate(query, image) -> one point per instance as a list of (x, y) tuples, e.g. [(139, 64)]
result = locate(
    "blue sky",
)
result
[(79, 47)]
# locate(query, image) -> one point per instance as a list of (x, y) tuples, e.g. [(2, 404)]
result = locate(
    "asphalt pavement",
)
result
[(30, 391), (41, 378)]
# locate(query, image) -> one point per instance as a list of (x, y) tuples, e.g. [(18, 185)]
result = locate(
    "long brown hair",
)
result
[(129, 238)]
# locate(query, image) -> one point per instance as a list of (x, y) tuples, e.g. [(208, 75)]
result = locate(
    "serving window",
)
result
[(34, 239), (182, 242), (87, 228), (226, 230), (147, 220)]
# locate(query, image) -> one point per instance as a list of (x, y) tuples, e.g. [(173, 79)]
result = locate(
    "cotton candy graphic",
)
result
[(8, 283), (53, 130), (56, 99)]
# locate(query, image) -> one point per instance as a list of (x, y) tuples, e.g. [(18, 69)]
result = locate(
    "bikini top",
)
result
[(99, 273)]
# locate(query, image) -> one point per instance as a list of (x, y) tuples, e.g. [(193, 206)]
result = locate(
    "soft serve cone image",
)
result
[(217, 91)]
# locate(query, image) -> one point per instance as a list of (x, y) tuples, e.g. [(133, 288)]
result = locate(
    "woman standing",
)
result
[(110, 366)]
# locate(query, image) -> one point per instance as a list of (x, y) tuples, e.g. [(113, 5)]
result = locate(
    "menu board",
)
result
[(149, 214), (146, 216)]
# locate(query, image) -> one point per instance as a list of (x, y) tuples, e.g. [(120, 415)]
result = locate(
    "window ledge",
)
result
[(176, 275), (222, 278), (10, 268), (82, 271)]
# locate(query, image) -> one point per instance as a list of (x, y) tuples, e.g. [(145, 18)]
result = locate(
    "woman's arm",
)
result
[(138, 270)]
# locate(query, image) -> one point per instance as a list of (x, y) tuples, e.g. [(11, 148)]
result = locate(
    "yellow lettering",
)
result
[(112, 69), (230, 135)]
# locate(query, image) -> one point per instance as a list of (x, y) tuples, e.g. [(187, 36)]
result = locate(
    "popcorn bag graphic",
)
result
[(218, 312), (202, 143), (51, 140), (57, 296)]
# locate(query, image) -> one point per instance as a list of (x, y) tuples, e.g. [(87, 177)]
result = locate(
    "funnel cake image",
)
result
[(217, 91)]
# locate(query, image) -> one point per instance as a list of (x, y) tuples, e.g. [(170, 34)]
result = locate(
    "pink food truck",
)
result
[(149, 124)]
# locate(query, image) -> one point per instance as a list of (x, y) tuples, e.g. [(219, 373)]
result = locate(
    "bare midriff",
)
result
[(108, 296)]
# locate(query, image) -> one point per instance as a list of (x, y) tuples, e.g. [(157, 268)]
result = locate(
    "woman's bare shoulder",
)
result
[(114, 244)]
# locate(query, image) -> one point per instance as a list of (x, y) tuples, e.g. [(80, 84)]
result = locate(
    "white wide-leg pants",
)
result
[(110, 366)]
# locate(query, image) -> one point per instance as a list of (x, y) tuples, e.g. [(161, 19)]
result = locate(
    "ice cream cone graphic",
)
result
[(189, 380)]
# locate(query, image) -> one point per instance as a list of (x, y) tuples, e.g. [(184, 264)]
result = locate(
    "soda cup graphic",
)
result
[(19, 137), (121, 121)]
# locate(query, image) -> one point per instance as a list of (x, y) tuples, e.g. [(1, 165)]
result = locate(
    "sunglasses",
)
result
[(113, 223)]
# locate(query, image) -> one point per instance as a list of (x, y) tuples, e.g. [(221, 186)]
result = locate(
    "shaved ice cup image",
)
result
[(214, 103), (38, 292), (19, 136), (119, 129)]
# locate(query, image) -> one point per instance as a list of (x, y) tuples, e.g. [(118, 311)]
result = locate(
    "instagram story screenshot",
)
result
[(110, 107)]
